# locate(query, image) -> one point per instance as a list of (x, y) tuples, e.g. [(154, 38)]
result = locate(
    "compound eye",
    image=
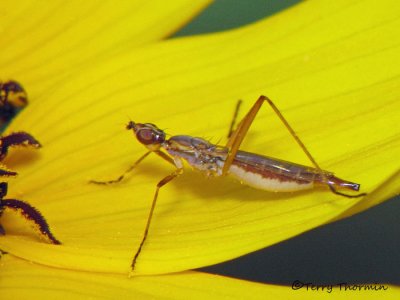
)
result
[(146, 136)]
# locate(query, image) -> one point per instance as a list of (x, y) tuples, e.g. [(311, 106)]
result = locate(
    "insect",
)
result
[(255, 170), (12, 98), (28, 212)]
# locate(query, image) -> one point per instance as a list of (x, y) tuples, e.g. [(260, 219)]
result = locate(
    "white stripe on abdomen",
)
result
[(269, 184)]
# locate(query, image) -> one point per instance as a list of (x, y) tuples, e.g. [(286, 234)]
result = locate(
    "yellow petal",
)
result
[(331, 67), (42, 44), (22, 280)]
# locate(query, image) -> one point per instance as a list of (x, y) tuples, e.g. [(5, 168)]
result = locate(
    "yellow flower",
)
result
[(331, 67)]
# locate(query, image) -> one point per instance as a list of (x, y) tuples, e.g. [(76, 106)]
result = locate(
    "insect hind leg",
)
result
[(308, 154), (235, 114), (239, 134)]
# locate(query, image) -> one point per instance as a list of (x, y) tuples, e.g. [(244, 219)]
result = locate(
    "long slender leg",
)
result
[(163, 182), (238, 135), (235, 114), (130, 169), (302, 146), (165, 157), (236, 139)]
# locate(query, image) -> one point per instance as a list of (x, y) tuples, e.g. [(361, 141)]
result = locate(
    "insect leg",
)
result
[(302, 146), (130, 169), (235, 114), (239, 134), (163, 182), (165, 157)]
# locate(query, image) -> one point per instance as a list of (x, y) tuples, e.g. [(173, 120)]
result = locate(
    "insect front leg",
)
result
[(130, 169)]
